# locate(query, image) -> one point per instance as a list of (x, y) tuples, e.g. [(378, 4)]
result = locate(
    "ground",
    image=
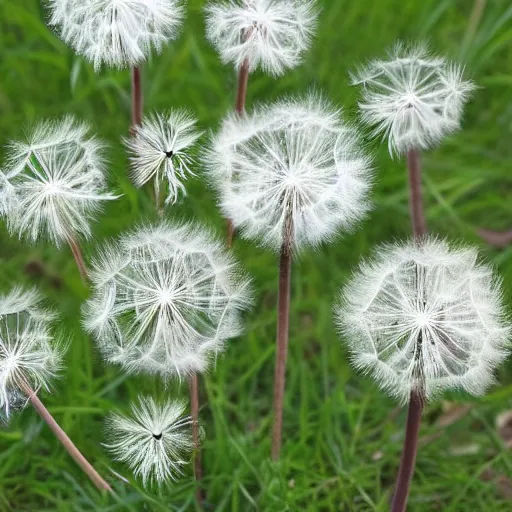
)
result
[(342, 436)]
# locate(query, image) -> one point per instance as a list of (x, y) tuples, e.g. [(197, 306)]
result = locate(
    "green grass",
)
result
[(342, 436)]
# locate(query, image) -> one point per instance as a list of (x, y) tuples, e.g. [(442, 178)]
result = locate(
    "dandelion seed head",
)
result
[(163, 149), (54, 183), (268, 34), (117, 33), (154, 441), (413, 99), (425, 317), (28, 353), (166, 299), (293, 161)]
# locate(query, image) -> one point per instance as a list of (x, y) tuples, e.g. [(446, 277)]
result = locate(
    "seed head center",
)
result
[(423, 319), (166, 296)]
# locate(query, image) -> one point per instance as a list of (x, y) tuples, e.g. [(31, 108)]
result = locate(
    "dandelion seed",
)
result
[(118, 33), (154, 441), (425, 318), (268, 34), (166, 298), (162, 149), (54, 183), (412, 99)]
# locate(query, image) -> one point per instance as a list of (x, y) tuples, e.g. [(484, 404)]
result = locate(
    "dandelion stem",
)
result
[(64, 439), (79, 259), (194, 412), (241, 95), (419, 225), (410, 450), (283, 321), (137, 99), (243, 80)]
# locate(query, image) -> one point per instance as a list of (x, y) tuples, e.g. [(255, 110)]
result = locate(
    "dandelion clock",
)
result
[(414, 100), (422, 318), (291, 175), (272, 35), (154, 440), (165, 300), (54, 184), (268, 34), (118, 33), (30, 358), (163, 150)]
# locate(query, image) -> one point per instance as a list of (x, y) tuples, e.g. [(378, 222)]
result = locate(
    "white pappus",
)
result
[(118, 33), (413, 99), (270, 34), (54, 183), (166, 298), (155, 440), (294, 163), (29, 356), (163, 149), (424, 317)]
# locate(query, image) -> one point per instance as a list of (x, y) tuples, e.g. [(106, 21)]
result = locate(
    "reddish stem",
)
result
[(64, 439), (283, 321), (79, 259), (194, 412), (241, 94), (410, 450), (241, 97), (419, 225), (137, 100)]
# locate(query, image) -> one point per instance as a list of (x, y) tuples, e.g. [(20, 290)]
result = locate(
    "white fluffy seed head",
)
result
[(294, 164), (426, 318), (413, 99), (117, 33), (166, 299), (267, 34), (154, 441), (163, 149), (28, 353), (54, 183)]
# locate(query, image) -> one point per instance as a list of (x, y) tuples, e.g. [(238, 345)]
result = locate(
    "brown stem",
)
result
[(79, 259), (194, 412), (241, 96), (64, 439), (410, 450), (136, 100), (419, 225), (283, 321)]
